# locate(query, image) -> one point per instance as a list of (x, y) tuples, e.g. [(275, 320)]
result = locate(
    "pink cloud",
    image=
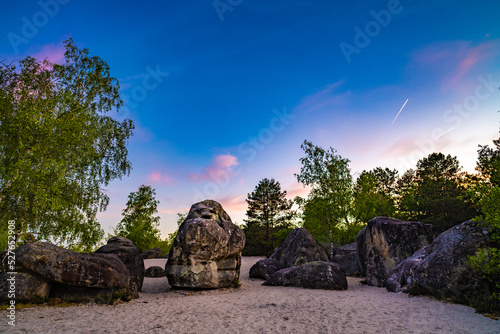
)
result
[(221, 167), (236, 203), (159, 177), (454, 61), (174, 211), (297, 189), (53, 52)]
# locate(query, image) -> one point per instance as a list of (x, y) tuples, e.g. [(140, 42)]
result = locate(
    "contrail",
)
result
[(444, 133), (395, 118)]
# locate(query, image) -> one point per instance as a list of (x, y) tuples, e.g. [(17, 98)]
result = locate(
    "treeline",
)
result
[(436, 192)]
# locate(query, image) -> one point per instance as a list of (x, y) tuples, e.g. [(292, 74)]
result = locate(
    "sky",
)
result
[(223, 93)]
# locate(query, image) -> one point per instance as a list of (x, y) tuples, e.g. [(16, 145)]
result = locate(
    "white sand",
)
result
[(254, 308)]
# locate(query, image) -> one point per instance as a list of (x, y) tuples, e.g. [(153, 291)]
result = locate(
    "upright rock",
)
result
[(46, 270), (206, 253), (347, 258), (299, 248), (130, 256), (384, 242), (440, 269)]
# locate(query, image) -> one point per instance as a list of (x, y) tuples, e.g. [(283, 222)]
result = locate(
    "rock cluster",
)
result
[(45, 270), (299, 248), (384, 242), (131, 256), (440, 269), (206, 253), (300, 262)]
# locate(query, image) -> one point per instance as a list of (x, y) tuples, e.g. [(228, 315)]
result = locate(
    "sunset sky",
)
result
[(224, 92)]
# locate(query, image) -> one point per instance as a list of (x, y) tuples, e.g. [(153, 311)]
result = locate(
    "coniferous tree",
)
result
[(436, 193), (268, 212)]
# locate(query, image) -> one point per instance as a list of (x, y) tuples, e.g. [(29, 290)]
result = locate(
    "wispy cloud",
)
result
[(453, 61), (327, 97), (221, 165), (234, 203)]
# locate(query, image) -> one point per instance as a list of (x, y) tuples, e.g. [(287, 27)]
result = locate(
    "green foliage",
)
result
[(139, 223), (329, 205), (489, 162), (58, 147), (269, 213), (434, 193), (374, 194), (487, 261)]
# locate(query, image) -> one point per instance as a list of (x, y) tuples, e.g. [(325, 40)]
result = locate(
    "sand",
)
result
[(254, 308)]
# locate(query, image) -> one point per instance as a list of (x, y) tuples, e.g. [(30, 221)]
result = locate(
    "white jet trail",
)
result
[(395, 118), (444, 133)]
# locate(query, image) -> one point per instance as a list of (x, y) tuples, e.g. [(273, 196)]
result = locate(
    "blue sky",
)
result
[(224, 92)]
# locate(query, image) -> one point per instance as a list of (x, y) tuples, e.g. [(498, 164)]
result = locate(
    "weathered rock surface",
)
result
[(206, 253), (154, 253), (154, 271), (299, 248), (347, 257), (130, 255), (384, 242), (90, 273), (311, 275), (265, 268), (440, 269), (26, 287)]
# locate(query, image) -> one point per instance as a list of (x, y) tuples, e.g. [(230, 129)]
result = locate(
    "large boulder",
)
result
[(26, 287), (265, 268), (206, 253), (311, 275), (440, 269), (154, 253), (299, 248), (42, 266), (130, 256), (384, 242), (155, 271), (347, 257)]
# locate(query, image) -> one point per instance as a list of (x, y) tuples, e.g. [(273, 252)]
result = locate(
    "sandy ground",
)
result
[(254, 308)]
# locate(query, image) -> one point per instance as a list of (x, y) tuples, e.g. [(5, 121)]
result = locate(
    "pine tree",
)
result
[(268, 213)]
